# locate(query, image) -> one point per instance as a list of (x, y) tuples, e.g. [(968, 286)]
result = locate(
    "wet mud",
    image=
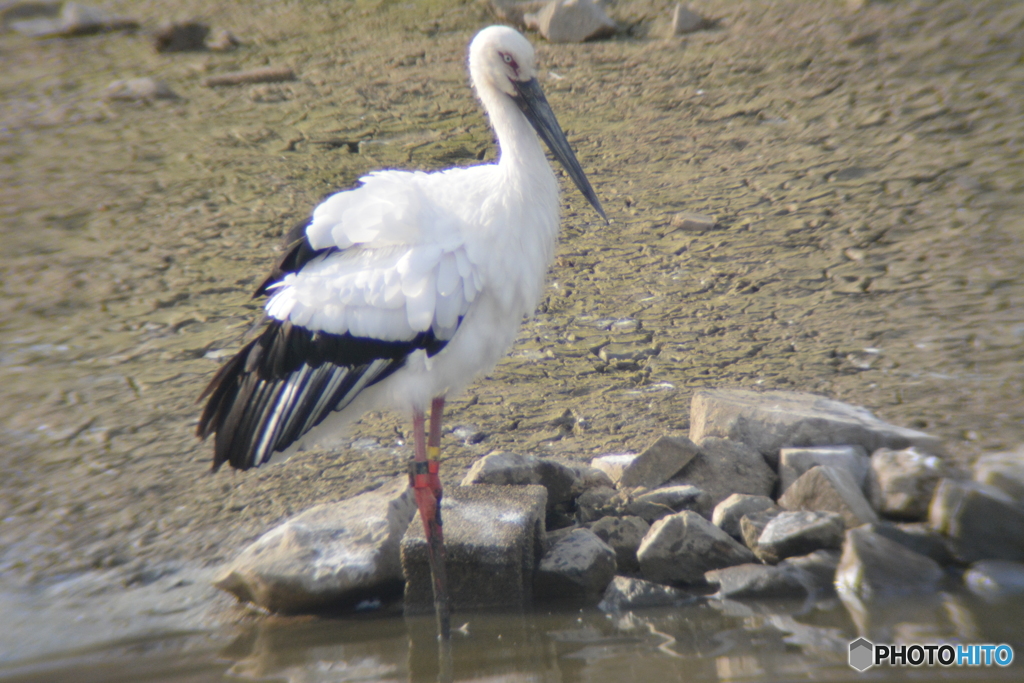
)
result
[(864, 166)]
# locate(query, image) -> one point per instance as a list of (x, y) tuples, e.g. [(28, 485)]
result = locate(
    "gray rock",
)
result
[(493, 536), (820, 566), (579, 565), (692, 222), (502, 468), (678, 498), (725, 467), (625, 593), (683, 546), (686, 21), (752, 525), (326, 556), (659, 463), (1005, 471), (596, 503), (138, 90), (827, 489), (182, 36), (981, 521), (919, 537), (649, 511), (623, 535), (222, 40), (587, 477), (770, 421), (995, 580), (756, 581), (793, 462), (729, 512), (906, 481), (874, 567), (571, 21), (613, 465), (790, 534)]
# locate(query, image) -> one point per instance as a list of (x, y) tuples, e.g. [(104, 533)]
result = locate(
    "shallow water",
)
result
[(705, 641)]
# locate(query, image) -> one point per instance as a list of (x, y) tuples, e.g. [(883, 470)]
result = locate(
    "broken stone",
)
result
[(995, 580), (138, 90), (820, 566), (677, 499), (648, 511), (493, 536), (587, 477), (919, 537), (685, 21), (613, 465), (756, 581), (656, 465), (502, 468), (623, 535), (183, 36), (579, 565), (596, 503), (571, 21), (772, 420), (874, 567), (625, 593), (906, 481), (1005, 471), (222, 40), (789, 534), (752, 525), (725, 467), (827, 489), (683, 546), (729, 512), (981, 521), (793, 462), (328, 556)]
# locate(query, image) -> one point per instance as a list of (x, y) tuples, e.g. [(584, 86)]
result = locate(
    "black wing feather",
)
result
[(276, 388), (297, 253)]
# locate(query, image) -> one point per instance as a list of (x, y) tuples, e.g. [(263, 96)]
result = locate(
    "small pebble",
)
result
[(139, 90)]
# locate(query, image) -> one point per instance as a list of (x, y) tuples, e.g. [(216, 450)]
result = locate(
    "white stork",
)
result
[(401, 291)]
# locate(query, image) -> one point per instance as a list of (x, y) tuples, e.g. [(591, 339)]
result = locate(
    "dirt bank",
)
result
[(865, 168)]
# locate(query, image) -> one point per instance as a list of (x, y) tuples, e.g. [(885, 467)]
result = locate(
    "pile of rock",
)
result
[(773, 495)]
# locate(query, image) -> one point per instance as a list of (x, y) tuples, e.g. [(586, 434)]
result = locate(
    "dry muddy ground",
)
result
[(864, 164)]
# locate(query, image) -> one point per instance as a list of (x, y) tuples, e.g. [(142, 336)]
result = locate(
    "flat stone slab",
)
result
[(502, 468), (725, 467), (613, 465), (578, 565), (678, 498), (919, 537), (683, 546), (753, 524), (827, 489), (759, 582), (820, 565), (327, 557), (727, 514), (626, 593), (659, 463), (793, 462), (905, 481), (873, 567), (493, 537), (981, 521), (995, 580), (772, 420), (790, 534), (623, 535)]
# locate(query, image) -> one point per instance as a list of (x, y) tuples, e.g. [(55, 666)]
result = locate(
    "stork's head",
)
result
[(501, 64), (499, 57)]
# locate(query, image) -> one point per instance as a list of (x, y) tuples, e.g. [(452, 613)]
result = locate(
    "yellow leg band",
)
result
[(433, 452)]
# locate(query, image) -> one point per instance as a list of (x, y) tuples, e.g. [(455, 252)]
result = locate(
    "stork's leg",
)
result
[(427, 487)]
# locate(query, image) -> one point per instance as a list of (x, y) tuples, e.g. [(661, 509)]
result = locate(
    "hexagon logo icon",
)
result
[(862, 654)]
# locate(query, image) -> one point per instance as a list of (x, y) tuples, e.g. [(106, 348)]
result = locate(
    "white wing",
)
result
[(403, 267)]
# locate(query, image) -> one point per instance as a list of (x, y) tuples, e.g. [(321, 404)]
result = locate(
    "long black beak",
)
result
[(534, 105)]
